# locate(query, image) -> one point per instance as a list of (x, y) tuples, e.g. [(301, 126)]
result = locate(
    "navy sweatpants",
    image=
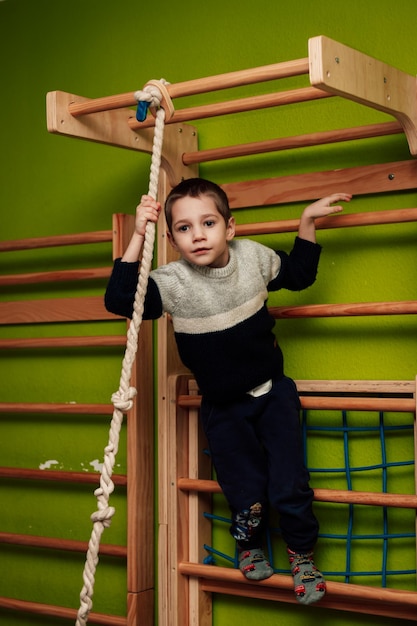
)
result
[(257, 451)]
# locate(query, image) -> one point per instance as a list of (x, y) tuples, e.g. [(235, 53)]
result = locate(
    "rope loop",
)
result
[(156, 95)]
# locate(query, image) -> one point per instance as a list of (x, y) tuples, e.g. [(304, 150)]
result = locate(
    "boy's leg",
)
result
[(289, 490), (242, 472), (309, 583), (247, 529)]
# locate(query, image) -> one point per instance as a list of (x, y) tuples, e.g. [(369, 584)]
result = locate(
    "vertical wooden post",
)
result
[(140, 465)]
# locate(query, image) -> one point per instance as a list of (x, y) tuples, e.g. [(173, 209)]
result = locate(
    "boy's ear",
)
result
[(230, 229), (172, 240)]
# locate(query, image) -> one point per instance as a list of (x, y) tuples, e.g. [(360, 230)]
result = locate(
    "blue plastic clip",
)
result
[(142, 111)]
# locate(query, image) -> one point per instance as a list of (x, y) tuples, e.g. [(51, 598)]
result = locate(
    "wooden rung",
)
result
[(290, 143), (240, 105), (60, 612), (100, 236), (56, 543), (79, 309), (371, 607), (407, 307), (342, 71), (340, 596), (374, 218), (199, 85), (366, 498), (56, 407), (58, 476), (62, 342), (351, 591), (406, 405), (357, 386), (56, 276)]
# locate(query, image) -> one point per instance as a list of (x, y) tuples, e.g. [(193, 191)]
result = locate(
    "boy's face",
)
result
[(199, 232)]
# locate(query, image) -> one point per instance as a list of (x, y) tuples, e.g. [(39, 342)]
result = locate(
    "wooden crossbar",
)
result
[(57, 543), (60, 612), (395, 500), (330, 403), (69, 408), (290, 143), (57, 476), (55, 276), (200, 85), (239, 105), (373, 218), (100, 236), (90, 308), (355, 598), (354, 309), (62, 342)]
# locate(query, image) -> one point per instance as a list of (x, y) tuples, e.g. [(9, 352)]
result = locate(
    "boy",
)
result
[(216, 294)]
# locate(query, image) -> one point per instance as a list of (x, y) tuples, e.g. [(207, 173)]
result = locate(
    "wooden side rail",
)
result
[(355, 598), (54, 543), (60, 612)]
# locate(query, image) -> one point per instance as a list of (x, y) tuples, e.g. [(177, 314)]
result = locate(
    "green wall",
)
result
[(52, 185)]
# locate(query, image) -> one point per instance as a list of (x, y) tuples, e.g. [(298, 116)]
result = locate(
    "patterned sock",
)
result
[(309, 583), (253, 564)]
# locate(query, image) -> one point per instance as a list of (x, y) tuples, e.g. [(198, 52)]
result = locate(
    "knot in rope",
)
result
[(154, 95), (104, 516), (151, 93), (123, 400)]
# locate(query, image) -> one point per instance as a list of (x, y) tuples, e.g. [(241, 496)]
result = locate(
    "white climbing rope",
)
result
[(123, 398)]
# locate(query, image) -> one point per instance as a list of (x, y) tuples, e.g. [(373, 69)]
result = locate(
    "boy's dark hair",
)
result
[(196, 187)]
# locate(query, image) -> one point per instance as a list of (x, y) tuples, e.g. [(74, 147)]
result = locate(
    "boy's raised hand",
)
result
[(320, 208), (325, 206)]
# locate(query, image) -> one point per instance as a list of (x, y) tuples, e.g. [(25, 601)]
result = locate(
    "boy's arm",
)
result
[(321, 208), (121, 288), (299, 268)]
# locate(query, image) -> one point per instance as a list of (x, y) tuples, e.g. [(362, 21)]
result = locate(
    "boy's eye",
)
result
[(210, 223), (183, 228)]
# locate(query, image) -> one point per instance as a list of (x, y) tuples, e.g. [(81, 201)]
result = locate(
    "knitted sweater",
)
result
[(222, 326)]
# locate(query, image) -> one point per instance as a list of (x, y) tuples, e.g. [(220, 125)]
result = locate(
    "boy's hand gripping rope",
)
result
[(154, 94)]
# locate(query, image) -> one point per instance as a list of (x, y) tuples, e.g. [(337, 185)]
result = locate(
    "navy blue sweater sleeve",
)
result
[(121, 291), (298, 268)]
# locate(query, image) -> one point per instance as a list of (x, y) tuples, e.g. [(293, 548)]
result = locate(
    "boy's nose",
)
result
[(198, 234)]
